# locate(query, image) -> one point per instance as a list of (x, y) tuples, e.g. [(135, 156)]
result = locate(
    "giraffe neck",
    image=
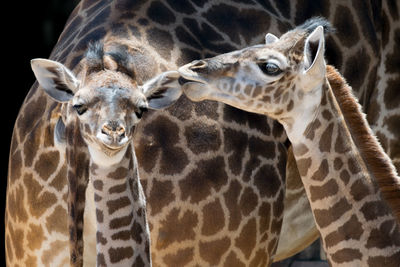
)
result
[(122, 232), (356, 225)]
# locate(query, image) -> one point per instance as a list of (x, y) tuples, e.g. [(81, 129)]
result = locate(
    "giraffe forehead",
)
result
[(116, 100), (109, 78), (107, 84), (257, 54)]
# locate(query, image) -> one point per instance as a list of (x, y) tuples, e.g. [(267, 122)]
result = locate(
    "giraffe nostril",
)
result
[(198, 64), (106, 129), (120, 131)]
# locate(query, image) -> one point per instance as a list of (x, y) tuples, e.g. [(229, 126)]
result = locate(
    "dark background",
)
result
[(30, 29)]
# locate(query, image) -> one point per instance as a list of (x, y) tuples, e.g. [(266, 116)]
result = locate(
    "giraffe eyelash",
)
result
[(140, 112), (80, 108), (270, 68)]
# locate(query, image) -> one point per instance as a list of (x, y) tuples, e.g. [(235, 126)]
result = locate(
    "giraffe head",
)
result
[(269, 79), (106, 99)]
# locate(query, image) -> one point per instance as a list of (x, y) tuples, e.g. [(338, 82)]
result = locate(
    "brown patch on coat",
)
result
[(213, 218), (181, 258), (247, 238), (213, 251)]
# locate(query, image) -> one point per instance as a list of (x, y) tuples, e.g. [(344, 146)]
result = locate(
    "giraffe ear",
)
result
[(270, 38), (314, 62), (163, 90), (56, 79)]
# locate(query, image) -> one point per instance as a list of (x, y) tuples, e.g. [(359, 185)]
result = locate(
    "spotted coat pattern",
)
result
[(230, 143)]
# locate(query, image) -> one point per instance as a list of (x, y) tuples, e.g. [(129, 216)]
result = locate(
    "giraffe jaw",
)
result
[(105, 155), (106, 151), (194, 86), (110, 150), (102, 159)]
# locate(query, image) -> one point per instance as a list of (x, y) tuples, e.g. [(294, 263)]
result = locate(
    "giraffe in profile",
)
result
[(349, 180)]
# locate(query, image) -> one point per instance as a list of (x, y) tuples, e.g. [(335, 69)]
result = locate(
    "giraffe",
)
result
[(193, 221), (101, 106), (342, 166)]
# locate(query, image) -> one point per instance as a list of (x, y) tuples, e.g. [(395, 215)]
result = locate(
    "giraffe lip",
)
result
[(189, 76), (112, 148), (184, 80)]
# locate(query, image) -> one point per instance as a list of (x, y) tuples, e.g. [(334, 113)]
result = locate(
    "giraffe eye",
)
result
[(80, 109), (270, 68), (140, 112)]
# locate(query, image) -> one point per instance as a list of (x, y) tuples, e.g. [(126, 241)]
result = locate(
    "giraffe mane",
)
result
[(118, 53), (94, 56), (378, 163), (311, 24), (121, 54), (302, 31)]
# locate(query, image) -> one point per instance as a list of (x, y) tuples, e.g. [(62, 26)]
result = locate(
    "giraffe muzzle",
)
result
[(113, 135)]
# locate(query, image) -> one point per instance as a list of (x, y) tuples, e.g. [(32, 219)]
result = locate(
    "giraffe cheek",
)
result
[(87, 129)]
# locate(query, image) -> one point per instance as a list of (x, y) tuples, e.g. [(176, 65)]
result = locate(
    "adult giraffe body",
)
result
[(188, 137)]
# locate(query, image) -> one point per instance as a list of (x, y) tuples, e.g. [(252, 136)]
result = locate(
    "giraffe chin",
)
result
[(110, 150), (195, 91), (106, 155)]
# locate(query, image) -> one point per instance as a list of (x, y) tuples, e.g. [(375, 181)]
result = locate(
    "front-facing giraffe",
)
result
[(101, 107), (343, 168)]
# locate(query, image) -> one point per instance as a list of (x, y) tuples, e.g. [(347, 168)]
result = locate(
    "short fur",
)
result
[(371, 151)]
